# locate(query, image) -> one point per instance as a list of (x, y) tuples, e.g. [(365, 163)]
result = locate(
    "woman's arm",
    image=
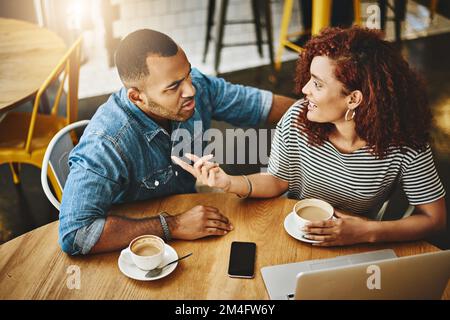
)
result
[(427, 219), (263, 185)]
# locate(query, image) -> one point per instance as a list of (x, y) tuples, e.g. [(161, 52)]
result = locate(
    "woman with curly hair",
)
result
[(362, 127)]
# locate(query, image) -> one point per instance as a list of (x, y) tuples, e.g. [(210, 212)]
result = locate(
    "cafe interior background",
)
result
[(423, 36)]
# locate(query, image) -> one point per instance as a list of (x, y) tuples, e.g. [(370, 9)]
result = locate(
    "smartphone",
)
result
[(242, 260)]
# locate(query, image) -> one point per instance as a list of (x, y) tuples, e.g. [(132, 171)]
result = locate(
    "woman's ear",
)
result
[(354, 99)]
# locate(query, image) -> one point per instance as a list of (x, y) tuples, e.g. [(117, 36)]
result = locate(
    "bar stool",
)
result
[(399, 9), (256, 10), (321, 12)]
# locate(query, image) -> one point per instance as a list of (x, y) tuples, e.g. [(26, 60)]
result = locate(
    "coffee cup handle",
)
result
[(126, 256)]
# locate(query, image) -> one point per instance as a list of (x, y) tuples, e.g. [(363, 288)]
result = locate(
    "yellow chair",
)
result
[(24, 136), (320, 18)]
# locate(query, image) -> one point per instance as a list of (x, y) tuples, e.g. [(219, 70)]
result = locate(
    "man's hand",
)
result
[(345, 230), (206, 172), (199, 222)]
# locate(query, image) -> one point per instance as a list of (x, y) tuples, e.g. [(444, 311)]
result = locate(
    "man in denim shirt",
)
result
[(124, 154)]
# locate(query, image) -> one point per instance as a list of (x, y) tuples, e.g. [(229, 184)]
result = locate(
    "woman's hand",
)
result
[(345, 230), (208, 173)]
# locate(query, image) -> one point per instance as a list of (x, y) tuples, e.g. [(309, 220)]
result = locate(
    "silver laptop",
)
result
[(372, 275)]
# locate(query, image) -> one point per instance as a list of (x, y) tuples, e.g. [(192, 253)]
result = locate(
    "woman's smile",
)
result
[(311, 106)]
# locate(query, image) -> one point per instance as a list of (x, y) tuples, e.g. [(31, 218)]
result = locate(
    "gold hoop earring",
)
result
[(346, 115)]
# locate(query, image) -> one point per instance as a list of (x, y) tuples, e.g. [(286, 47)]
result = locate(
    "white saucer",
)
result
[(294, 231), (133, 272)]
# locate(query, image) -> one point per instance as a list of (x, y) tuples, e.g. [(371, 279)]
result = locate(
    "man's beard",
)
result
[(158, 110)]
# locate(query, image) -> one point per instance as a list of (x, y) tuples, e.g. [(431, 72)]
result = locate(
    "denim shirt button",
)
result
[(156, 183), (176, 173)]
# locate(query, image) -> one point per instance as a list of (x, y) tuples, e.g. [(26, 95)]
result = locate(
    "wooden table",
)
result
[(28, 53), (33, 266)]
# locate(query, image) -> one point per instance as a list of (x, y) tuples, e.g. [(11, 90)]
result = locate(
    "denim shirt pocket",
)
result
[(158, 178)]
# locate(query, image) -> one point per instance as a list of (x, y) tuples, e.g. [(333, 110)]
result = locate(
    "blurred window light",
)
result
[(74, 13)]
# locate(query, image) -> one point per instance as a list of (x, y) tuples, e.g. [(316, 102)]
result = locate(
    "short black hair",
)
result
[(134, 49)]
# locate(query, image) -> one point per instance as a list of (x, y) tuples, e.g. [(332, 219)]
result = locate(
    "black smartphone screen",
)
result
[(242, 259)]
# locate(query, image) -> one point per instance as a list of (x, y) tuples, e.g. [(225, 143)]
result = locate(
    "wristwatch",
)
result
[(165, 226)]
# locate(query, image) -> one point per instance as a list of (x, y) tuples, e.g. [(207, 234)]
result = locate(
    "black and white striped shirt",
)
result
[(355, 182)]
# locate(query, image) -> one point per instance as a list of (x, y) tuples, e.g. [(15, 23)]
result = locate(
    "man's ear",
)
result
[(354, 99), (135, 96)]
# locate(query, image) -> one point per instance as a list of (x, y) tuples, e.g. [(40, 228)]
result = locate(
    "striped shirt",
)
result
[(355, 182)]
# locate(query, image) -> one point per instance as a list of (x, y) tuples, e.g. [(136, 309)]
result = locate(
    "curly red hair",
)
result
[(394, 111)]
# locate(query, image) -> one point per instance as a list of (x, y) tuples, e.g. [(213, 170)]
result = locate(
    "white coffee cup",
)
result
[(309, 210), (146, 252)]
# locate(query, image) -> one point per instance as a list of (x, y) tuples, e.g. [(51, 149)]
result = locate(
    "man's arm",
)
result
[(119, 231), (280, 104), (93, 185), (85, 226), (198, 222), (239, 105)]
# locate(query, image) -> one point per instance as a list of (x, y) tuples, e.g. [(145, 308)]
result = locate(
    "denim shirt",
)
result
[(124, 156)]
